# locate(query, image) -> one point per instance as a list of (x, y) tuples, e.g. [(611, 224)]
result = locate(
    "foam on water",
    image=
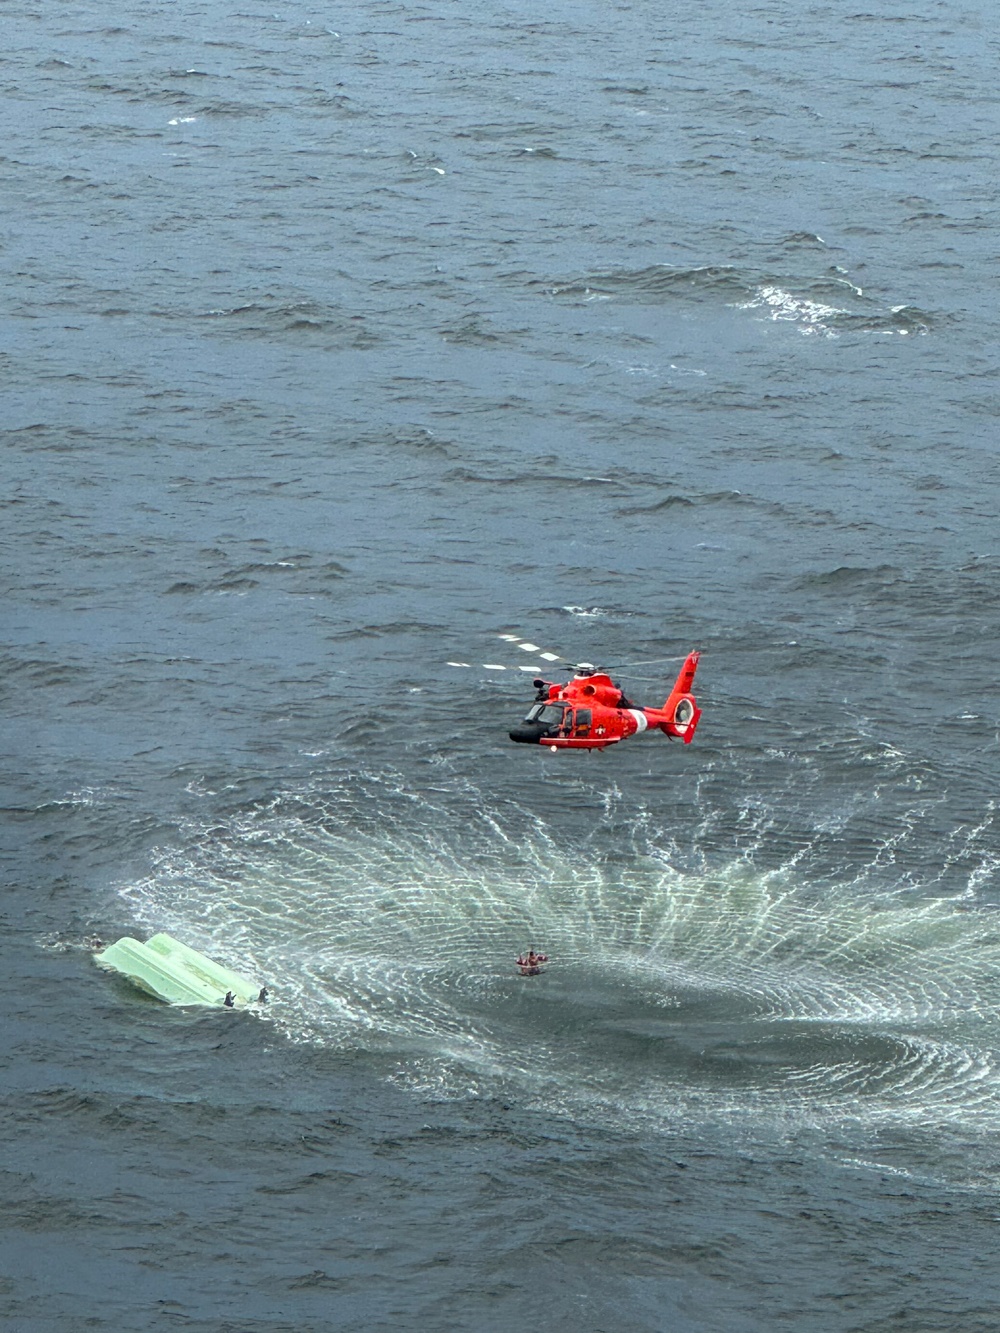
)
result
[(387, 922)]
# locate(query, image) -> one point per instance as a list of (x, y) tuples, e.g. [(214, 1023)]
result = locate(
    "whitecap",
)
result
[(814, 316)]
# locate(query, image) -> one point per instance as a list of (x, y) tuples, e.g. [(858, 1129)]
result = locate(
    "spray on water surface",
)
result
[(683, 989)]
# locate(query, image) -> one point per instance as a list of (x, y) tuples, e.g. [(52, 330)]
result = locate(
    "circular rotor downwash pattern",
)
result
[(388, 922)]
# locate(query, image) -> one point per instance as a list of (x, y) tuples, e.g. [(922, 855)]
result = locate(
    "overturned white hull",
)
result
[(171, 971)]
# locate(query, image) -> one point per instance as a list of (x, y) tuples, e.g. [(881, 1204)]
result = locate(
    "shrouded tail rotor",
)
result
[(681, 706)]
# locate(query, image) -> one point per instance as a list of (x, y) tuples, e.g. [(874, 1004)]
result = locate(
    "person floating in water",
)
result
[(530, 963), (230, 999), (262, 997)]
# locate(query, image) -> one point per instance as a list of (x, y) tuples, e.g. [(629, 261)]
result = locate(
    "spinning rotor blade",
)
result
[(546, 656), (584, 666), (649, 661), (530, 647), (543, 658), (494, 666)]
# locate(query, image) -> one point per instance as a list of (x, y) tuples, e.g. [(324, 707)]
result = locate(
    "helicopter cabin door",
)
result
[(579, 724)]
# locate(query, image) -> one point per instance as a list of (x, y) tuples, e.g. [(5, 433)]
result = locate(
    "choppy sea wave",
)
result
[(827, 304)]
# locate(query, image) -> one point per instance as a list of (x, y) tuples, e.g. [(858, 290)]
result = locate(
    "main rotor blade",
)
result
[(545, 655), (497, 666), (529, 647), (649, 661), (543, 659)]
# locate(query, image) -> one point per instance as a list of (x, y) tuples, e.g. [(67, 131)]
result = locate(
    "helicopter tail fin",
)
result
[(682, 711), (685, 678)]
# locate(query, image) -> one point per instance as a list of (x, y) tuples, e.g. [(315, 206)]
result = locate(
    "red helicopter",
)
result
[(590, 712)]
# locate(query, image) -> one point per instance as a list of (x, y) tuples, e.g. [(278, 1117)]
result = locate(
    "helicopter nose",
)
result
[(528, 733)]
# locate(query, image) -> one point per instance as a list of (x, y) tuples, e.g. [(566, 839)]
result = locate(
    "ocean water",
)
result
[(338, 341)]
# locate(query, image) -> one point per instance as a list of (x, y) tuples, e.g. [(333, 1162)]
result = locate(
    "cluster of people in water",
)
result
[(530, 964)]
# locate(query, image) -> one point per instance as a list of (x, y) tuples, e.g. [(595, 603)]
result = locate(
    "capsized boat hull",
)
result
[(175, 973)]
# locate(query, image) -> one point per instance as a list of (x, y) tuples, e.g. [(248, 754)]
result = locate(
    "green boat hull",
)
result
[(171, 971)]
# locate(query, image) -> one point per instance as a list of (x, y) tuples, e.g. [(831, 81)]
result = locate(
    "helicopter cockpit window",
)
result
[(547, 715), (550, 714), (582, 723)]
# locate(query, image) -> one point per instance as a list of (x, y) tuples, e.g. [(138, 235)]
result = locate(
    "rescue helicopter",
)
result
[(591, 712)]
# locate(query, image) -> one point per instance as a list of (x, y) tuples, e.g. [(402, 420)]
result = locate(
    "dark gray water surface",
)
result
[(339, 340)]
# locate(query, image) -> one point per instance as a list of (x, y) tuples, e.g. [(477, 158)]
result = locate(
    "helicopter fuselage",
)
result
[(590, 712)]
